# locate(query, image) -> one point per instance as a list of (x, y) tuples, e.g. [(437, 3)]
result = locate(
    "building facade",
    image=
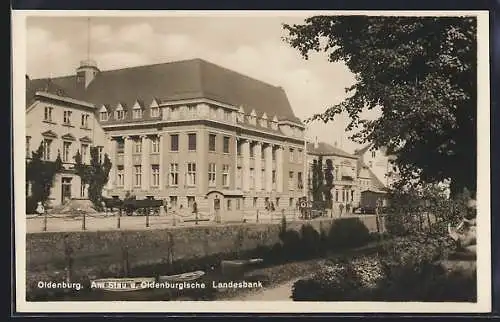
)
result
[(62, 126), (192, 131), (345, 180)]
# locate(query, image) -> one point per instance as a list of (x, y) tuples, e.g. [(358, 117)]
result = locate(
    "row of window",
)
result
[(155, 144), (67, 155), (212, 146), (291, 179), (173, 175), (191, 176), (67, 117), (293, 156), (120, 113)]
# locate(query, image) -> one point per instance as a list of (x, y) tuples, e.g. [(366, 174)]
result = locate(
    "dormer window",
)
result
[(154, 109), (253, 118), (137, 113), (263, 120), (103, 116), (119, 112)]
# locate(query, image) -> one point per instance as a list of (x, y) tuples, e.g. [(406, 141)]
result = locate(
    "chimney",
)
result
[(316, 144), (86, 72)]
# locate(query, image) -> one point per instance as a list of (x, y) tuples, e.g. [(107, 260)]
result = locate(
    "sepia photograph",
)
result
[(252, 161)]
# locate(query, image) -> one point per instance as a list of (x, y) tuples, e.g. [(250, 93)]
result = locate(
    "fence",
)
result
[(113, 221)]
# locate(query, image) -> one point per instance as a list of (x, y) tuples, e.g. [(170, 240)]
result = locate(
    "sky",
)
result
[(251, 45)]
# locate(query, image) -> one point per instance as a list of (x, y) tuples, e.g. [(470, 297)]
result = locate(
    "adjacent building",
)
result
[(62, 125), (376, 175), (187, 131), (360, 179)]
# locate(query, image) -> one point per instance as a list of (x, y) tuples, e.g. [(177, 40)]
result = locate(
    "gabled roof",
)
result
[(362, 150), (188, 79), (325, 149), (366, 148)]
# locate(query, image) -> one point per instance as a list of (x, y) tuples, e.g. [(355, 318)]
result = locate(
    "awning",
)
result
[(227, 193)]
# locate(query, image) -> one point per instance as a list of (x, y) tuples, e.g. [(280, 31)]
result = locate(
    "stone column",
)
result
[(145, 164), (128, 170), (245, 152), (112, 156), (279, 169), (268, 155), (160, 161), (257, 153)]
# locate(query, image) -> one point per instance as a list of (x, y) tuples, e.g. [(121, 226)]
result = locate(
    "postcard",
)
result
[(252, 161)]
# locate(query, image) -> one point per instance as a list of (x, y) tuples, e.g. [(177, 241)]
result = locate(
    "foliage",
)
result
[(40, 174), (420, 72), (412, 208), (328, 186), (95, 174), (347, 233), (405, 273), (317, 180)]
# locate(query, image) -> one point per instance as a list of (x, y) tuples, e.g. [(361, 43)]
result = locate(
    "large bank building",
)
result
[(187, 131)]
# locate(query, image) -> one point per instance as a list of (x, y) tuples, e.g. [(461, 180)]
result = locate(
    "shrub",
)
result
[(310, 244), (291, 245), (347, 233), (403, 270), (331, 283), (416, 249)]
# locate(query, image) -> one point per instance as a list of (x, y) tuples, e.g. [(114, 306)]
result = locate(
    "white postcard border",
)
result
[(483, 188)]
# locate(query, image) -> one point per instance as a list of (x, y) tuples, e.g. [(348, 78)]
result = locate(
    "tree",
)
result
[(41, 174), (421, 73), (328, 183), (96, 175), (317, 180)]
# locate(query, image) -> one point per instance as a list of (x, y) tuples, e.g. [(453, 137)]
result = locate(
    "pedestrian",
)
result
[(348, 208), (341, 208)]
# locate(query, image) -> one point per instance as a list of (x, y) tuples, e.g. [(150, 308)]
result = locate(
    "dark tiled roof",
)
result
[(189, 79), (325, 149), (44, 85)]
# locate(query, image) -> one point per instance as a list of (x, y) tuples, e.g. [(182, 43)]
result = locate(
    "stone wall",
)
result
[(99, 253)]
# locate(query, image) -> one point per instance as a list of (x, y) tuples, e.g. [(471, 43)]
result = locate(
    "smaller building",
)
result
[(376, 175), (63, 126), (346, 188)]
